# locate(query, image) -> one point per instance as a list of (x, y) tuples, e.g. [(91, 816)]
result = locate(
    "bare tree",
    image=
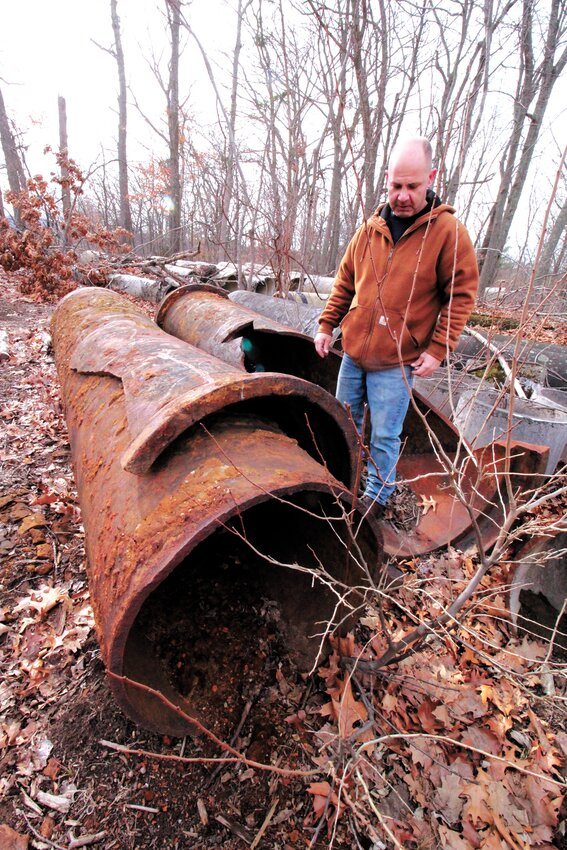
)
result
[(15, 171), (332, 77), (280, 97), (463, 65), (118, 53), (229, 231), (554, 250), (535, 84), (173, 125), (64, 154)]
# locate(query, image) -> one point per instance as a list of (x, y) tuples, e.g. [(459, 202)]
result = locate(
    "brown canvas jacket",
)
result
[(395, 301)]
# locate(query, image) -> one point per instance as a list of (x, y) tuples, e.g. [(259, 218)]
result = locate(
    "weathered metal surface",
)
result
[(207, 319), (202, 317), (542, 361), (140, 287), (167, 456), (485, 414), (538, 570), (480, 478), (304, 317), (170, 385)]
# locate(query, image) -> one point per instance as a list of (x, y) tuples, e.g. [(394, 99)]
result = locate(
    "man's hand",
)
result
[(323, 344), (425, 365)]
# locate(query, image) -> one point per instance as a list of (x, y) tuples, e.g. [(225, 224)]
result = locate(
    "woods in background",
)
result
[(307, 105)]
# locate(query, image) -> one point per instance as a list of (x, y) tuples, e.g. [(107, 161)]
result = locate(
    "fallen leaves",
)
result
[(45, 617), (12, 840), (446, 745), (41, 601), (454, 724)]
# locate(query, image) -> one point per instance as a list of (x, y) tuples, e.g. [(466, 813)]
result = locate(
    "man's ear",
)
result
[(432, 175)]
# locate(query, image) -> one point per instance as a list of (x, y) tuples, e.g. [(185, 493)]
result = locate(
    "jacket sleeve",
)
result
[(342, 292), (457, 279)]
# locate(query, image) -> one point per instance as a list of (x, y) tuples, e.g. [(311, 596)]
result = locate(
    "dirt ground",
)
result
[(71, 770)]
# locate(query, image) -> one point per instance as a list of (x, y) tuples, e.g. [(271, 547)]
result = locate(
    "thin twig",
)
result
[(37, 834), (233, 741), (265, 824), (86, 840), (192, 721)]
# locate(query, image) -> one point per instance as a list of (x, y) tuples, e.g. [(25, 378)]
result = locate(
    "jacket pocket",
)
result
[(355, 330), (390, 343), (397, 335)]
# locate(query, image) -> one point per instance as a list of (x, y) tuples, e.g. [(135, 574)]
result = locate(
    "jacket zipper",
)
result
[(377, 302)]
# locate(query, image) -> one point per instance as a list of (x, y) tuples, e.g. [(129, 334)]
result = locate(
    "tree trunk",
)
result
[(64, 156), (16, 179), (552, 262), (174, 20), (535, 82), (125, 214), (228, 229)]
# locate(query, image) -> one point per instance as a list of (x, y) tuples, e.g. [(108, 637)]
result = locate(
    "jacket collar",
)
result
[(378, 219)]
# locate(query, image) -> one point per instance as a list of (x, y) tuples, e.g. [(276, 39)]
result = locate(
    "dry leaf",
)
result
[(31, 521), (427, 503)]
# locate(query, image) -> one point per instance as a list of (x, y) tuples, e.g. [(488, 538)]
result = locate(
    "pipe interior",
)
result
[(315, 430), (291, 355), (296, 356), (225, 608)]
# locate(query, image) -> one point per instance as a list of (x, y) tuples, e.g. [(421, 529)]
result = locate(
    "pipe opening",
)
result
[(265, 351), (225, 612)]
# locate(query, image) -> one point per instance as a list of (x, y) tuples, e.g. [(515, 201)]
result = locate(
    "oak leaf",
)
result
[(446, 798), (451, 840), (427, 503)]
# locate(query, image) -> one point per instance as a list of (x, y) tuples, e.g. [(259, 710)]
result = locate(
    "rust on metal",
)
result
[(201, 316), (302, 317), (480, 479), (172, 451), (170, 385), (205, 318)]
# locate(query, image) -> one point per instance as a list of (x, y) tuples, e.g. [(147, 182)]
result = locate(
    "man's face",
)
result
[(408, 179)]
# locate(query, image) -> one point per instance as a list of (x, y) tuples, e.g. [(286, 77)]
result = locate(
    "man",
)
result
[(403, 293)]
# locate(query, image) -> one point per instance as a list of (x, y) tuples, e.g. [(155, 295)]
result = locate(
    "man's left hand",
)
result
[(425, 365)]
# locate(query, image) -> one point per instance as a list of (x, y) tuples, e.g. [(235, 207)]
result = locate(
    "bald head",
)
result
[(409, 176), (416, 149)]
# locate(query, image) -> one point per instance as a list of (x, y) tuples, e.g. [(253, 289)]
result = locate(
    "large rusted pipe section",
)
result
[(178, 457), (206, 318), (303, 317), (434, 457)]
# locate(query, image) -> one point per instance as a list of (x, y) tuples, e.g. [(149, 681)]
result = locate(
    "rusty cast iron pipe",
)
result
[(302, 317), (179, 459), (206, 318)]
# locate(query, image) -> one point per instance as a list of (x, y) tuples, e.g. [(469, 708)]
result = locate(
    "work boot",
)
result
[(371, 507)]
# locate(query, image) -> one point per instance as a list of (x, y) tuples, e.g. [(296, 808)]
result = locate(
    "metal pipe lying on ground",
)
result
[(302, 317), (191, 472), (206, 318), (201, 316)]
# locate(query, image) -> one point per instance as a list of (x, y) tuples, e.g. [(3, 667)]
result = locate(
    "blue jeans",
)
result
[(387, 395)]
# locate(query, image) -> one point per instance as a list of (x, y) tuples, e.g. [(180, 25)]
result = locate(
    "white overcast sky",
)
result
[(47, 49)]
